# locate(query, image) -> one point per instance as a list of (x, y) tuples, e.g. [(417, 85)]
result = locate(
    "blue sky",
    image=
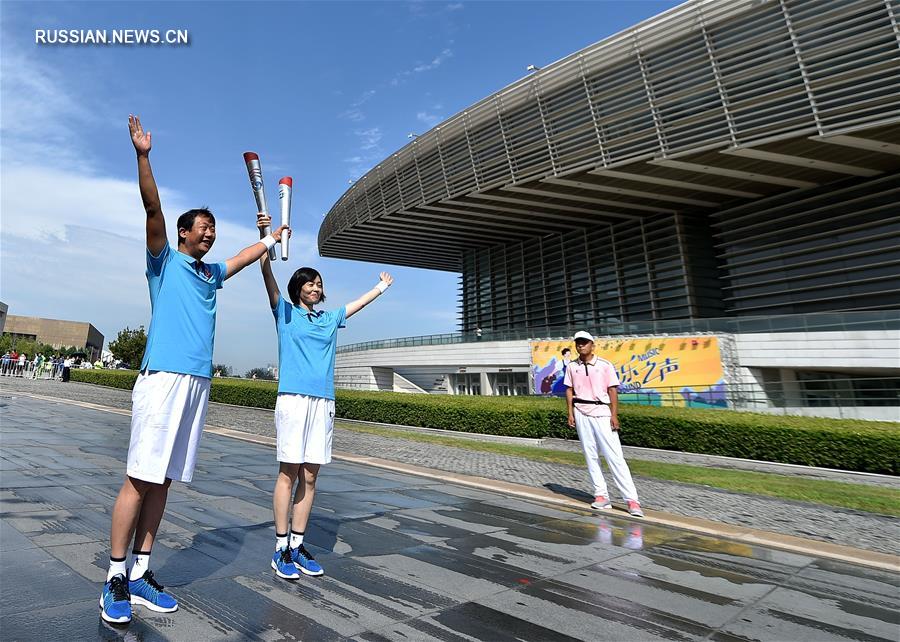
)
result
[(321, 90)]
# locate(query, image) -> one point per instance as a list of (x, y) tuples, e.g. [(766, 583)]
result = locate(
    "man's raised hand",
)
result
[(277, 234), (264, 220), (139, 137)]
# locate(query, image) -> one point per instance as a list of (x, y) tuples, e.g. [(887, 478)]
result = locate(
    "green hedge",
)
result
[(253, 393), (113, 378), (831, 443)]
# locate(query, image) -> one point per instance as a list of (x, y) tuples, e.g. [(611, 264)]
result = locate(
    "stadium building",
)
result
[(725, 173)]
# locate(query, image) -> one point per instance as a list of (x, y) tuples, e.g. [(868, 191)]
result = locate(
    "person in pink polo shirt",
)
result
[(592, 398)]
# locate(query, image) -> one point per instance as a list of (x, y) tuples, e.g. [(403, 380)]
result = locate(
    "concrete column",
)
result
[(486, 388), (793, 396), (750, 394)]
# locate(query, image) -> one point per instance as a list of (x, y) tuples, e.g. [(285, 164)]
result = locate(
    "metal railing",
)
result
[(29, 370), (820, 322)]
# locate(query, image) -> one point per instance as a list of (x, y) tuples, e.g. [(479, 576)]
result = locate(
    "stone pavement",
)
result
[(406, 558), (813, 521)]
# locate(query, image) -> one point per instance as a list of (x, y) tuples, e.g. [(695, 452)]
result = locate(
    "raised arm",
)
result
[(355, 306), (156, 224), (252, 252), (262, 222)]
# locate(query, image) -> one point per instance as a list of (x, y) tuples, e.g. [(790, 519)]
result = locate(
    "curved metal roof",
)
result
[(709, 105)]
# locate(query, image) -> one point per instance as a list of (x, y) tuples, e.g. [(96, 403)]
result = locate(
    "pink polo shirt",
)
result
[(591, 381)]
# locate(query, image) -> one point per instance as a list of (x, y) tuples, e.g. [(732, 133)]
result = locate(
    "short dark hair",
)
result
[(564, 351), (301, 277), (186, 220)]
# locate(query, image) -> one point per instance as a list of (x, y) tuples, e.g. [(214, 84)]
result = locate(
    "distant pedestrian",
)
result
[(37, 366), (592, 399)]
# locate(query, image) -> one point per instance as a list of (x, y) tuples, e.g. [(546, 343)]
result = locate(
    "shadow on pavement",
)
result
[(572, 493)]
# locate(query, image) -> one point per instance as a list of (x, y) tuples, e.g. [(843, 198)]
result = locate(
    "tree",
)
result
[(129, 345), (8, 342), (261, 373)]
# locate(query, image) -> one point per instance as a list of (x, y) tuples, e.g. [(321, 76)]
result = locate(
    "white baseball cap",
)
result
[(581, 334)]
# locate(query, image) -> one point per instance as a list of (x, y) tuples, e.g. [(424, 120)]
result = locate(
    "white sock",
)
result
[(296, 539), (281, 541), (140, 565), (116, 567)]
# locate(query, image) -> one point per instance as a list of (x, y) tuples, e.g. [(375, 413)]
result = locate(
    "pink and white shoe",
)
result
[(634, 508), (601, 503)]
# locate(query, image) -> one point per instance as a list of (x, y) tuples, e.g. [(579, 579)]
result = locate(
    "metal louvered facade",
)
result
[(727, 157)]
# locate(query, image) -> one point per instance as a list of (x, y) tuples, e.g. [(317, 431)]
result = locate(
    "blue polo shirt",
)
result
[(306, 347), (183, 319)]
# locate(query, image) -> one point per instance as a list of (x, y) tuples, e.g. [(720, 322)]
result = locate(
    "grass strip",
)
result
[(870, 499)]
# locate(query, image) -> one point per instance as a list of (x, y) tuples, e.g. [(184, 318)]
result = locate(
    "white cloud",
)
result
[(364, 97), (369, 138), (41, 203), (370, 151), (435, 62), (428, 119), (355, 115), (419, 9), (402, 76), (39, 114)]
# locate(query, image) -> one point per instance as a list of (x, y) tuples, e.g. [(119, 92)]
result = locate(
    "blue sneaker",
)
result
[(304, 561), (146, 591), (115, 606), (284, 565)]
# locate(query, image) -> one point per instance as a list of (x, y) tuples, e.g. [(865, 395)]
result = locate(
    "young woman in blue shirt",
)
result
[(304, 410)]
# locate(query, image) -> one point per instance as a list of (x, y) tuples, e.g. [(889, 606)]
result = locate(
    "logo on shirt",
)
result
[(202, 268)]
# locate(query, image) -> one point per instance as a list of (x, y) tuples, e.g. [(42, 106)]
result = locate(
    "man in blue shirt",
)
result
[(171, 393)]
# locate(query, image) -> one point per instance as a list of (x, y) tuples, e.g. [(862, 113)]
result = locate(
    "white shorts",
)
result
[(167, 416), (305, 427)]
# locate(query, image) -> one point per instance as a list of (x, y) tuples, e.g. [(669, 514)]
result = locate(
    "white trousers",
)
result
[(168, 411), (597, 436)]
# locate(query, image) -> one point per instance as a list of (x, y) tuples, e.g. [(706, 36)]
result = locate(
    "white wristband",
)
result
[(268, 241), (381, 286)]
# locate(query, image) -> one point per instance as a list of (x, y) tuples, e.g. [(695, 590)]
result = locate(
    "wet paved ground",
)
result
[(813, 521), (405, 558)]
